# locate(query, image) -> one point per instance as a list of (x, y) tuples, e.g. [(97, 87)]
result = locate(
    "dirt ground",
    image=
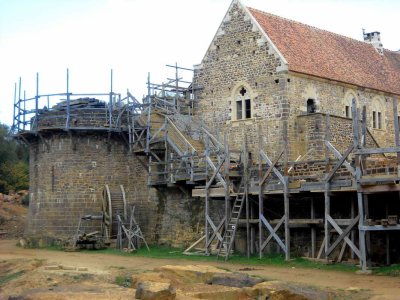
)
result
[(12, 215), (97, 274)]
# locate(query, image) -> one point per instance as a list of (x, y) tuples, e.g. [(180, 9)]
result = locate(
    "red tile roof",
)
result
[(321, 53)]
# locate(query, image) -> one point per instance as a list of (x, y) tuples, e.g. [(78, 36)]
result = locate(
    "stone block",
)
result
[(149, 290)]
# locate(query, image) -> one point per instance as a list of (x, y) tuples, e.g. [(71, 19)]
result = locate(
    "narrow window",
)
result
[(52, 179), (248, 108), (379, 120), (347, 108), (374, 119), (238, 110), (311, 106)]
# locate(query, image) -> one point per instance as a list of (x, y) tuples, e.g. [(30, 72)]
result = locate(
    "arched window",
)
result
[(377, 114), (347, 104), (242, 104)]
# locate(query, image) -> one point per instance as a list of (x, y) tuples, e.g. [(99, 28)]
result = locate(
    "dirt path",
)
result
[(379, 287)]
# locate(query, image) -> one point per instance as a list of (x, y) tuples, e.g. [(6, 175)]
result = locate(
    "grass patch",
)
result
[(269, 259), (7, 278), (124, 281), (278, 260), (393, 270)]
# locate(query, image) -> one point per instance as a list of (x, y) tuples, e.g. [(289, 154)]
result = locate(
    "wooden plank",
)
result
[(213, 192), (379, 228), (377, 150), (380, 188), (380, 180), (194, 244)]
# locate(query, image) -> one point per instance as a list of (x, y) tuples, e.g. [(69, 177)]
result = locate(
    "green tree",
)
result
[(14, 170)]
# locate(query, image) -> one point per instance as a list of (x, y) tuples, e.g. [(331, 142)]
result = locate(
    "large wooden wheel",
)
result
[(113, 204), (107, 212)]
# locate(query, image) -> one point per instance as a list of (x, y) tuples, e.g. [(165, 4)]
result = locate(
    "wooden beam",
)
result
[(379, 228), (344, 234), (272, 232), (377, 150), (339, 156), (276, 228), (339, 163), (396, 126), (215, 230), (380, 188), (213, 192), (270, 169), (216, 171), (340, 231), (269, 162)]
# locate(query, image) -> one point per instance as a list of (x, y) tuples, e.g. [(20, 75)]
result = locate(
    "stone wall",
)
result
[(67, 179), (241, 56)]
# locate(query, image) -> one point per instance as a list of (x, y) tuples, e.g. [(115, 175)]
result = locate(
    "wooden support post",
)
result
[(260, 191), (313, 229), (387, 237), (364, 127), (357, 146), (352, 234), (246, 175), (17, 105), (327, 213), (286, 208), (252, 230), (396, 126), (327, 189), (367, 233), (227, 190), (286, 188), (206, 197)]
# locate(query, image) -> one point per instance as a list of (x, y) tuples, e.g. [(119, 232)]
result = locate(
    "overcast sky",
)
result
[(134, 37)]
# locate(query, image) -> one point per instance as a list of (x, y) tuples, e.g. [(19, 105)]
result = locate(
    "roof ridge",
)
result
[(307, 25)]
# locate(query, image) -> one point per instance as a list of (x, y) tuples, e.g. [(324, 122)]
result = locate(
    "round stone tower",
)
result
[(76, 148)]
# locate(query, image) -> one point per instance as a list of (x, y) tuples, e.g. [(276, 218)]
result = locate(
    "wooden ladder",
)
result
[(229, 235)]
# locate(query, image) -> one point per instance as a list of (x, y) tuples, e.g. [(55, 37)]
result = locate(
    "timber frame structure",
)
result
[(179, 151), (200, 160)]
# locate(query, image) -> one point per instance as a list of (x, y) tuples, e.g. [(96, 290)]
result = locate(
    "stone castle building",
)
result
[(285, 121)]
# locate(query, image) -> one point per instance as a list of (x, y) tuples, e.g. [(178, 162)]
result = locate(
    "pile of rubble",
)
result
[(13, 213)]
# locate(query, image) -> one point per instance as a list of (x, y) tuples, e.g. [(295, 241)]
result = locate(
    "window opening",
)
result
[(374, 119), (379, 120), (311, 106), (347, 108), (248, 108), (239, 110)]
